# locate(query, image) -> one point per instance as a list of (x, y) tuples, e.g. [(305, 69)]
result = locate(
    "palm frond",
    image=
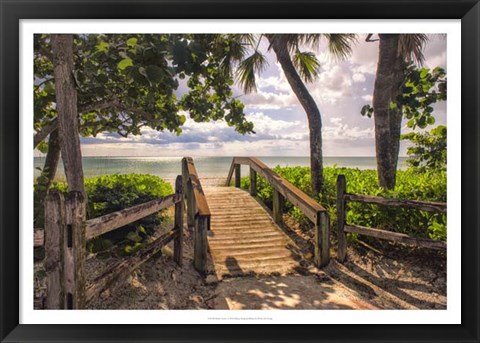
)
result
[(247, 68), (340, 44), (234, 50), (307, 65), (411, 47)]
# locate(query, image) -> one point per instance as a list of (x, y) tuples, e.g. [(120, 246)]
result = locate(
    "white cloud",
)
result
[(341, 131), (358, 77)]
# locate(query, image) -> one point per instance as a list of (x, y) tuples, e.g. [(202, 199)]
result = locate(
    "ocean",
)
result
[(207, 167)]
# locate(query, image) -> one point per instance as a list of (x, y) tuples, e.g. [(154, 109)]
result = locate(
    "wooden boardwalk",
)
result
[(243, 238)]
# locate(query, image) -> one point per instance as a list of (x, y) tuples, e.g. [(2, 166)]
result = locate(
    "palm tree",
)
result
[(298, 66), (395, 51)]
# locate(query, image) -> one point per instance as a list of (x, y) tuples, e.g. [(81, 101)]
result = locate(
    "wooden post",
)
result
[(278, 204), (322, 240), (324, 234), (74, 251), (190, 204), (237, 175), (342, 242), (253, 182), (200, 244), (54, 222), (178, 242)]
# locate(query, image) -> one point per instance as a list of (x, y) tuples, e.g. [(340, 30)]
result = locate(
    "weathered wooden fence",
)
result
[(198, 212), (343, 227), (282, 189), (65, 235)]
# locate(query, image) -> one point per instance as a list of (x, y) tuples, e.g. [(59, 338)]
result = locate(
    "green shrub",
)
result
[(427, 186), (110, 193)]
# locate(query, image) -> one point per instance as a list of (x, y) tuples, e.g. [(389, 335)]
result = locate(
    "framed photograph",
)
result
[(203, 169)]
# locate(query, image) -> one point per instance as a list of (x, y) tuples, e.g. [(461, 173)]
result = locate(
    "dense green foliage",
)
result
[(427, 186), (429, 151), (129, 81), (110, 193)]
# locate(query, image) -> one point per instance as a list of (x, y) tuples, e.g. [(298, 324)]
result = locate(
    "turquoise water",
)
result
[(170, 167)]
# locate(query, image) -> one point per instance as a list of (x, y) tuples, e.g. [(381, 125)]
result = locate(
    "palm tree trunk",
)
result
[(310, 107), (66, 99), (388, 85)]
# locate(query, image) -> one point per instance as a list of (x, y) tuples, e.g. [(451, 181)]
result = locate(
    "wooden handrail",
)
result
[(282, 189), (404, 203), (343, 227), (112, 221), (306, 204), (200, 199), (198, 213), (98, 226)]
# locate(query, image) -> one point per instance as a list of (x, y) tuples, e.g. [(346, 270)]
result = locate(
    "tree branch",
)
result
[(44, 132)]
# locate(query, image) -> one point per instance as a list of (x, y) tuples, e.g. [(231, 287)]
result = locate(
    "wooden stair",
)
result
[(243, 238)]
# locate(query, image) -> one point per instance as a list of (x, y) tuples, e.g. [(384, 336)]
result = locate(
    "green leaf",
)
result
[(126, 62), (154, 73), (132, 42), (102, 47), (134, 237)]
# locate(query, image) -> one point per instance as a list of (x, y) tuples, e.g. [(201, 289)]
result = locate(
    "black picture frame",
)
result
[(12, 11)]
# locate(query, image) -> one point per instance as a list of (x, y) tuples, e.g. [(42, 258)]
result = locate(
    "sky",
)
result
[(281, 127)]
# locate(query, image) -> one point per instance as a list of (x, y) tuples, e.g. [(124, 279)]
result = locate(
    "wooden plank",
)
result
[(253, 182), (191, 207), (342, 241), (74, 251), (120, 270), (38, 238), (200, 244), (54, 222), (178, 226), (419, 205), (278, 206), (397, 237), (100, 225), (238, 176)]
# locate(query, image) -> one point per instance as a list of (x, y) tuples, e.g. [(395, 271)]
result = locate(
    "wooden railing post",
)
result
[(253, 182), (238, 175), (322, 240), (278, 205), (74, 251), (54, 223), (342, 242), (200, 243), (179, 206)]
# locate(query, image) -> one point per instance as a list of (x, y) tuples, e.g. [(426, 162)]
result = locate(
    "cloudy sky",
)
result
[(280, 122)]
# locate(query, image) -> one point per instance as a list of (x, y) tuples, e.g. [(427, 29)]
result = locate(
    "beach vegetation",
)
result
[(429, 185), (110, 193)]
